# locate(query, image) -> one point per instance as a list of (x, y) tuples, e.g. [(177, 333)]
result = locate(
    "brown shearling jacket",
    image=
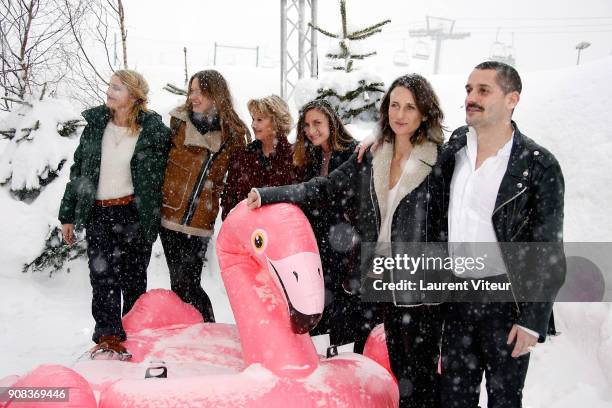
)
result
[(195, 173)]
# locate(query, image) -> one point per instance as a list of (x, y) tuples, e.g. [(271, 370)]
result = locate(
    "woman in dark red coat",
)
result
[(268, 160)]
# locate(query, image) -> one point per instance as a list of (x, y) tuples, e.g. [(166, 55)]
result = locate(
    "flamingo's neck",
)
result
[(263, 322)]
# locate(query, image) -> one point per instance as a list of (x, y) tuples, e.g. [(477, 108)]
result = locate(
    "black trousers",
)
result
[(345, 317), (118, 260), (185, 255), (474, 342), (413, 341)]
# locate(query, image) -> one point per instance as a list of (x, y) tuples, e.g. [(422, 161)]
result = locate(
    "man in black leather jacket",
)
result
[(504, 188)]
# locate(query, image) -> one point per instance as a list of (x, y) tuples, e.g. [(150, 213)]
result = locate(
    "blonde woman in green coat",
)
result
[(114, 193)]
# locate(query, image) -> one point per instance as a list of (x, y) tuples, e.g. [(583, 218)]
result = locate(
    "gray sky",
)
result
[(545, 31)]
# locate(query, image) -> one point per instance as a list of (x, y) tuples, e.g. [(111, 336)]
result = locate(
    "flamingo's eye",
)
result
[(259, 240)]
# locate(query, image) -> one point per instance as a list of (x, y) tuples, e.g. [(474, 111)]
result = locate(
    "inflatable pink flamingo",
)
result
[(272, 273)]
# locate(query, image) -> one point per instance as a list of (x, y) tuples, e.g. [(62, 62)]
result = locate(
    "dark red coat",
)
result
[(249, 168)]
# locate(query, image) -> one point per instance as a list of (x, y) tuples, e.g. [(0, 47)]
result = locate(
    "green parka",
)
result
[(148, 165)]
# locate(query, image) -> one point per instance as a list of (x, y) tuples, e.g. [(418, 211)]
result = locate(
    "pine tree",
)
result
[(42, 135), (367, 90), (56, 253)]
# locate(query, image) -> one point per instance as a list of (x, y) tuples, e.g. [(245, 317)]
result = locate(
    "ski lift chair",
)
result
[(421, 50), (498, 51), (510, 53), (401, 58), (502, 53)]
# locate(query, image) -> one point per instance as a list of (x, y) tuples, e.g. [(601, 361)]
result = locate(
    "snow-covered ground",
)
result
[(47, 319)]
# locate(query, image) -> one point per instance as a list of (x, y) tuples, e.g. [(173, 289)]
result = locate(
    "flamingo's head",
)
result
[(279, 238)]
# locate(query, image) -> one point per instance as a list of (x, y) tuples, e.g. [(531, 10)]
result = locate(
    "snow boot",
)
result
[(110, 348)]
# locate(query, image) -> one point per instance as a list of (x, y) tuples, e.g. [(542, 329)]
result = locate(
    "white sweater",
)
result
[(115, 174)]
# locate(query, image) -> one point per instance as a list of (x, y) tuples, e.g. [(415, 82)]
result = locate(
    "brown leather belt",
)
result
[(115, 201)]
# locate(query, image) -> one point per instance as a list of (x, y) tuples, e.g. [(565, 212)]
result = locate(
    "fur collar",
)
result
[(418, 166), (210, 140)]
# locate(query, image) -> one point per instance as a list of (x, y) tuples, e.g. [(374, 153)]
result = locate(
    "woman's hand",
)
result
[(253, 200), (68, 233), (363, 146)]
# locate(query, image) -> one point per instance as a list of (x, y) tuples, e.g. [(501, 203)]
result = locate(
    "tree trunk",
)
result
[(23, 50), (123, 32), (186, 76)]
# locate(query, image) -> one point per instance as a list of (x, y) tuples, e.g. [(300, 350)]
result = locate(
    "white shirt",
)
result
[(473, 194), (384, 236), (115, 173)]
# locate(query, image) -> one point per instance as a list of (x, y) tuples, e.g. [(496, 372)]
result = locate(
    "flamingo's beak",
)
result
[(301, 279)]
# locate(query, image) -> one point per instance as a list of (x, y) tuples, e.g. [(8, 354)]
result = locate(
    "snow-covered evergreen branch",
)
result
[(175, 89), (369, 30), (322, 31), (362, 56), (361, 37)]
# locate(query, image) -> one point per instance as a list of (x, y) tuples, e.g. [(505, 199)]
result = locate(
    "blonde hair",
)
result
[(138, 88), (275, 107)]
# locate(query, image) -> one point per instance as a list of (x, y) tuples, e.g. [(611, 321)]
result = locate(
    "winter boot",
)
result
[(110, 348)]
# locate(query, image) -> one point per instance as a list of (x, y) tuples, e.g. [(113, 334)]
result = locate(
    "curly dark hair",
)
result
[(428, 104)]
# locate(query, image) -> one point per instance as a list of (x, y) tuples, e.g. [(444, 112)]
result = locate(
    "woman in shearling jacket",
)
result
[(397, 195), (206, 131), (114, 192)]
